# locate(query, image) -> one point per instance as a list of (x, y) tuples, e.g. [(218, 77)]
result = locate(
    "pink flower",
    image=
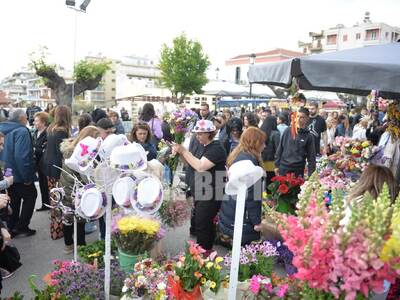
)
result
[(282, 290), (255, 285)]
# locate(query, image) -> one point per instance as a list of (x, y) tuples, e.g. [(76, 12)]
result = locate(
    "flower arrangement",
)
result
[(188, 270), (262, 287), (255, 259), (340, 258), (283, 191), (148, 279), (135, 235), (181, 121), (394, 120), (176, 211)]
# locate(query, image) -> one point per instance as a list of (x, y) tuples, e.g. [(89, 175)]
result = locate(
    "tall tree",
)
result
[(87, 76), (183, 67)]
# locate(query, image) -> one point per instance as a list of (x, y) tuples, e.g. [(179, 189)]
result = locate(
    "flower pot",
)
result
[(127, 261), (179, 293)]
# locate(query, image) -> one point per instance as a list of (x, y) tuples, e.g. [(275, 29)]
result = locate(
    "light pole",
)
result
[(252, 61), (82, 9)]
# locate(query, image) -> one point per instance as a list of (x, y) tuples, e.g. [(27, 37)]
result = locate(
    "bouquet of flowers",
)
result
[(263, 287), (181, 122), (188, 273), (174, 212), (283, 191), (148, 279), (337, 257), (394, 120), (135, 235), (255, 259)]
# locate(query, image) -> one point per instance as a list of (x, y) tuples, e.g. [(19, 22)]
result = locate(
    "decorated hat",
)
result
[(242, 172), (124, 187), (129, 157), (204, 126), (112, 141), (90, 203), (148, 196), (84, 154)]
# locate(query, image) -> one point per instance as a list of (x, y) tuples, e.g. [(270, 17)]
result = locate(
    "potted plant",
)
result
[(147, 281), (135, 237), (185, 284)]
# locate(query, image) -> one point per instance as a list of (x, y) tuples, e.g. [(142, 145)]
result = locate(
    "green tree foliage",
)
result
[(183, 67), (87, 75)]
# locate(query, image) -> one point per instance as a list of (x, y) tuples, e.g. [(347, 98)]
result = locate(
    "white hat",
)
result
[(148, 196), (204, 126), (110, 142), (90, 202), (124, 187), (84, 154), (129, 157), (242, 172)]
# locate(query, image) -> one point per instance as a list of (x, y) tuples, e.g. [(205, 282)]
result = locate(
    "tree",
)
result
[(87, 76), (183, 67)]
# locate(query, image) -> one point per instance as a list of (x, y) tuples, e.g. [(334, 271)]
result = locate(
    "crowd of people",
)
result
[(35, 144)]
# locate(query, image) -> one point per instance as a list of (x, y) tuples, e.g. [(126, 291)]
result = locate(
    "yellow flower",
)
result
[(365, 144), (219, 259), (213, 285), (209, 265), (130, 224), (218, 267), (203, 281)]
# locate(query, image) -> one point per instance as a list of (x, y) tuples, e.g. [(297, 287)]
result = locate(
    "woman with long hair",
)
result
[(148, 115), (209, 169), (252, 143), (59, 130), (234, 129), (141, 134), (67, 148), (269, 127), (250, 120)]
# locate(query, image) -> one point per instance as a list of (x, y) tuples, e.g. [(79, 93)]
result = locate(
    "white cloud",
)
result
[(119, 27)]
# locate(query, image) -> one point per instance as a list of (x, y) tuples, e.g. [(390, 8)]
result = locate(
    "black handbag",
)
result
[(10, 258)]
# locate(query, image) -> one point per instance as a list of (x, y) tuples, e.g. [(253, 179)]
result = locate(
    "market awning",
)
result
[(239, 102), (354, 71), (225, 88)]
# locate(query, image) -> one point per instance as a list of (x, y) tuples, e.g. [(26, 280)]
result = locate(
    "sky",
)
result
[(225, 28)]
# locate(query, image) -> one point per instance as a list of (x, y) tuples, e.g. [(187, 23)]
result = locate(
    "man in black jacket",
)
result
[(294, 151), (31, 111)]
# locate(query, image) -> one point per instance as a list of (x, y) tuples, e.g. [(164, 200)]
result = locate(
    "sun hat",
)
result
[(124, 187), (84, 154), (148, 196), (242, 172), (204, 126), (129, 157), (90, 203), (110, 142)]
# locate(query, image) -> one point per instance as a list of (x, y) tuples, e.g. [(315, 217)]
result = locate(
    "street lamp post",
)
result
[(82, 9), (252, 61)]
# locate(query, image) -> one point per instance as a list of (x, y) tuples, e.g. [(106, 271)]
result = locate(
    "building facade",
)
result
[(15, 86), (236, 68), (366, 33)]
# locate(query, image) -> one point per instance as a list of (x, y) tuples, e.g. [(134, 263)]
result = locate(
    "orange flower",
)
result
[(198, 275)]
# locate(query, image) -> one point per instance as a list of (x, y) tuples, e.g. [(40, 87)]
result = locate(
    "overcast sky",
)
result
[(225, 28)]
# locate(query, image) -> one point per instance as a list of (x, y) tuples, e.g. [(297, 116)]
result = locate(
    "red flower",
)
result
[(283, 189), (281, 179)]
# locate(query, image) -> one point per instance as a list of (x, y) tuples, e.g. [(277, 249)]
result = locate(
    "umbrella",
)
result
[(354, 71)]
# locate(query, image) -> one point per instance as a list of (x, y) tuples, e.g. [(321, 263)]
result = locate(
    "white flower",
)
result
[(124, 289), (161, 286)]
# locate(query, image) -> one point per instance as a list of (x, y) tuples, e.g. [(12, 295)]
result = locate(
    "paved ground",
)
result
[(39, 250)]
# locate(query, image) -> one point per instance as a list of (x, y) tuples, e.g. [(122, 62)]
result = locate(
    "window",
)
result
[(331, 39), (345, 38), (113, 72), (372, 34), (237, 75), (386, 35), (203, 98), (112, 80), (113, 98), (197, 100), (358, 36), (113, 89)]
